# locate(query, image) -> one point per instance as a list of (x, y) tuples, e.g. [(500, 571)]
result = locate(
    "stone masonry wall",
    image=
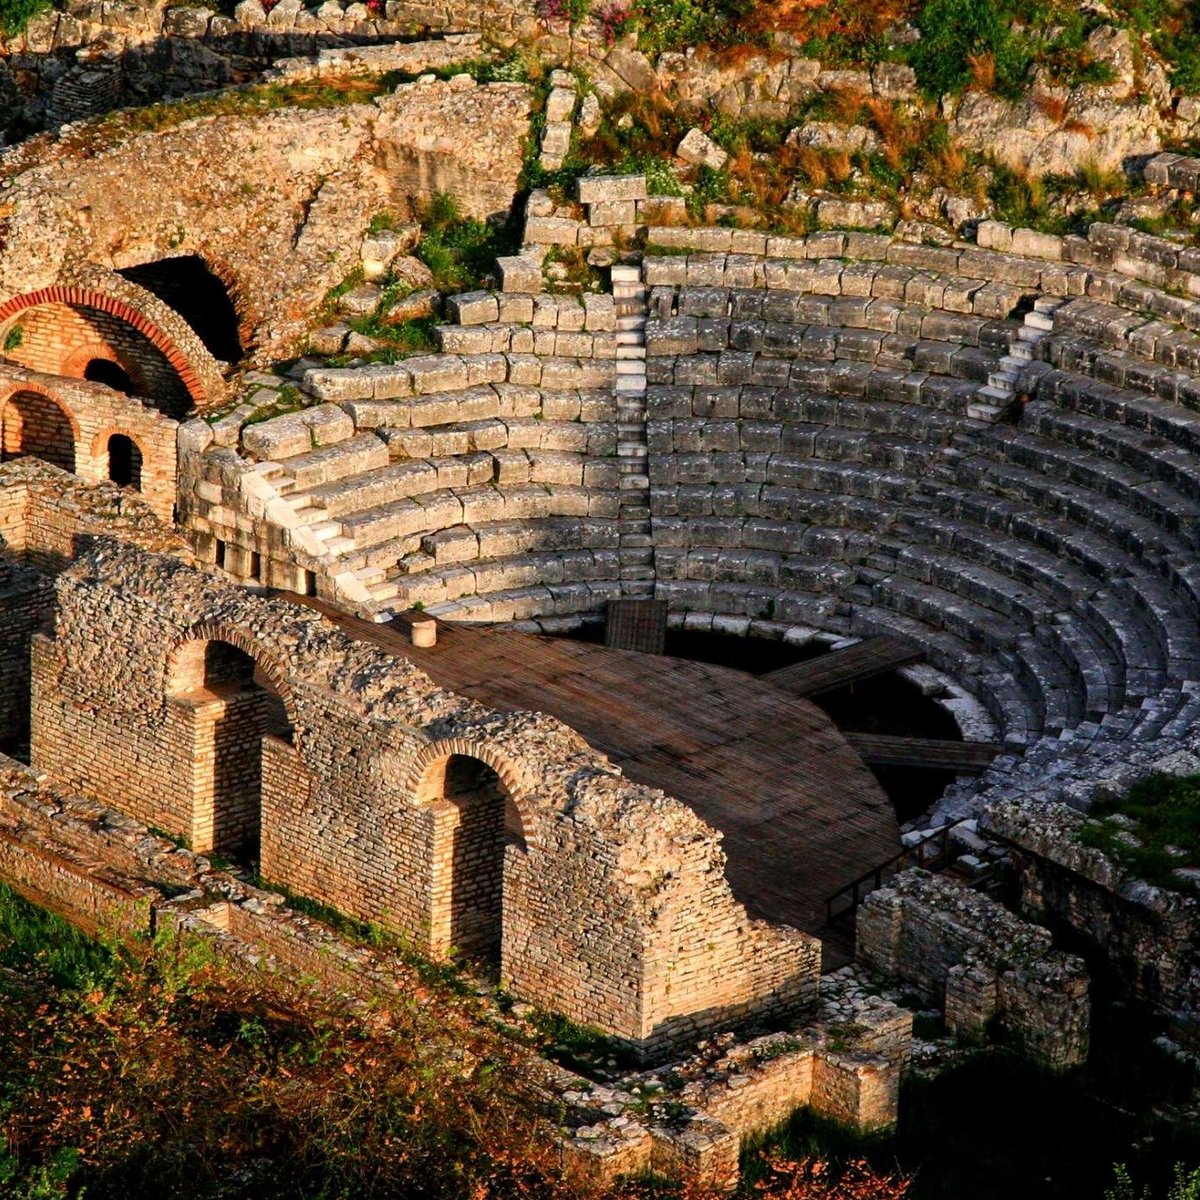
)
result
[(1148, 937), (650, 947), (983, 965), (270, 216)]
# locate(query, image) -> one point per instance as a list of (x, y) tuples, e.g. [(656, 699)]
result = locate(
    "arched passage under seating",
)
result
[(34, 424), (109, 373), (199, 296), (479, 821), (231, 705)]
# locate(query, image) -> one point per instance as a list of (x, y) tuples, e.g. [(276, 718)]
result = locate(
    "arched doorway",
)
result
[(124, 461), (483, 821), (34, 424), (232, 705), (109, 373)]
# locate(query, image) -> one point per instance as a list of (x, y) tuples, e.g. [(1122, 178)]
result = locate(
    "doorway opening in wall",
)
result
[(109, 373), (198, 296), (32, 424), (236, 706), (486, 822), (124, 461)]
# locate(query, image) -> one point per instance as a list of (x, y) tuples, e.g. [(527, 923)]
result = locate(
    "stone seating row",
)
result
[(882, 312), (431, 374), (761, 376)]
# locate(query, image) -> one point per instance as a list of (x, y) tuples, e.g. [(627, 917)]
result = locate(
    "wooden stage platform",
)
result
[(801, 814)]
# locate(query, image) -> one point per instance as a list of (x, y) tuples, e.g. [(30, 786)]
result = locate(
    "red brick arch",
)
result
[(100, 444), (123, 311), (12, 388), (271, 667), (77, 361)]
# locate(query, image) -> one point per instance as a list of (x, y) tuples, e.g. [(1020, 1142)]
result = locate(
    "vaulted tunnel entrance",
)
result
[(198, 296), (109, 373), (477, 820), (124, 461)]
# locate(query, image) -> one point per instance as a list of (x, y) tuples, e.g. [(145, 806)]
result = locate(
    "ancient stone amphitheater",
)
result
[(986, 452)]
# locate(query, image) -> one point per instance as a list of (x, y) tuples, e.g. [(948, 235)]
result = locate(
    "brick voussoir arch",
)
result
[(264, 659), (165, 330), (100, 441), (509, 773), (11, 388)]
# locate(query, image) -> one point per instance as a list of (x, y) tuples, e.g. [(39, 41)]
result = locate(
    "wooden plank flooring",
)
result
[(871, 656), (800, 812), (881, 750)]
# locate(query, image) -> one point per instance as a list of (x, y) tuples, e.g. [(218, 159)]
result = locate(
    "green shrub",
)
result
[(953, 33), (1159, 811), (16, 14), (671, 24)]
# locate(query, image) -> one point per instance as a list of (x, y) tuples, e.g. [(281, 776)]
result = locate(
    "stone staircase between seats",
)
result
[(636, 543), (995, 399)]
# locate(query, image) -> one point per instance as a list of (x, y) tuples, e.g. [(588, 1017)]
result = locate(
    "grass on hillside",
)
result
[(1160, 812)]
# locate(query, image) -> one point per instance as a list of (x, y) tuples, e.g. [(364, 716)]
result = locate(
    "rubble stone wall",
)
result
[(270, 216), (965, 952), (1147, 937)]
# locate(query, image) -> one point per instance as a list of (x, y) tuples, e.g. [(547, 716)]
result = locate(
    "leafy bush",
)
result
[(671, 24), (956, 34), (1184, 1186), (460, 250), (1160, 811), (16, 14)]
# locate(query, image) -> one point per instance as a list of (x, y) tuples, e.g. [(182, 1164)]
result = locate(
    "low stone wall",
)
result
[(1148, 937), (985, 967)]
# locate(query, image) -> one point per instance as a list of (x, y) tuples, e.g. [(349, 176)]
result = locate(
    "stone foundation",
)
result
[(984, 967)]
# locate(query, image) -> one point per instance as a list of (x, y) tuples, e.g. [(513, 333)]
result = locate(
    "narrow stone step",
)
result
[(1039, 320), (631, 353), (624, 273), (631, 384)]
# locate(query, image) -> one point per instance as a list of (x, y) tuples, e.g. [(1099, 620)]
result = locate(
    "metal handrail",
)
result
[(941, 835)]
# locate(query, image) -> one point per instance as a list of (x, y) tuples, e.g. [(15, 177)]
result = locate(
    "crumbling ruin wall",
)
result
[(46, 518), (1149, 937), (92, 414), (271, 212), (615, 909), (983, 965)]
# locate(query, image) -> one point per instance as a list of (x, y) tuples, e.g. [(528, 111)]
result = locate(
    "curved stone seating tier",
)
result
[(812, 460)]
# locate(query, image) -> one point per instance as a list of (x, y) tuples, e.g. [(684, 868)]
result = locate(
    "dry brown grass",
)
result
[(983, 72), (849, 106), (1075, 125), (839, 165), (855, 21), (1053, 107), (810, 163)]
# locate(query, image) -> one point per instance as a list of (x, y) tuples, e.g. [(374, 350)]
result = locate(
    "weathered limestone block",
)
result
[(607, 189), (519, 273), (699, 149)]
